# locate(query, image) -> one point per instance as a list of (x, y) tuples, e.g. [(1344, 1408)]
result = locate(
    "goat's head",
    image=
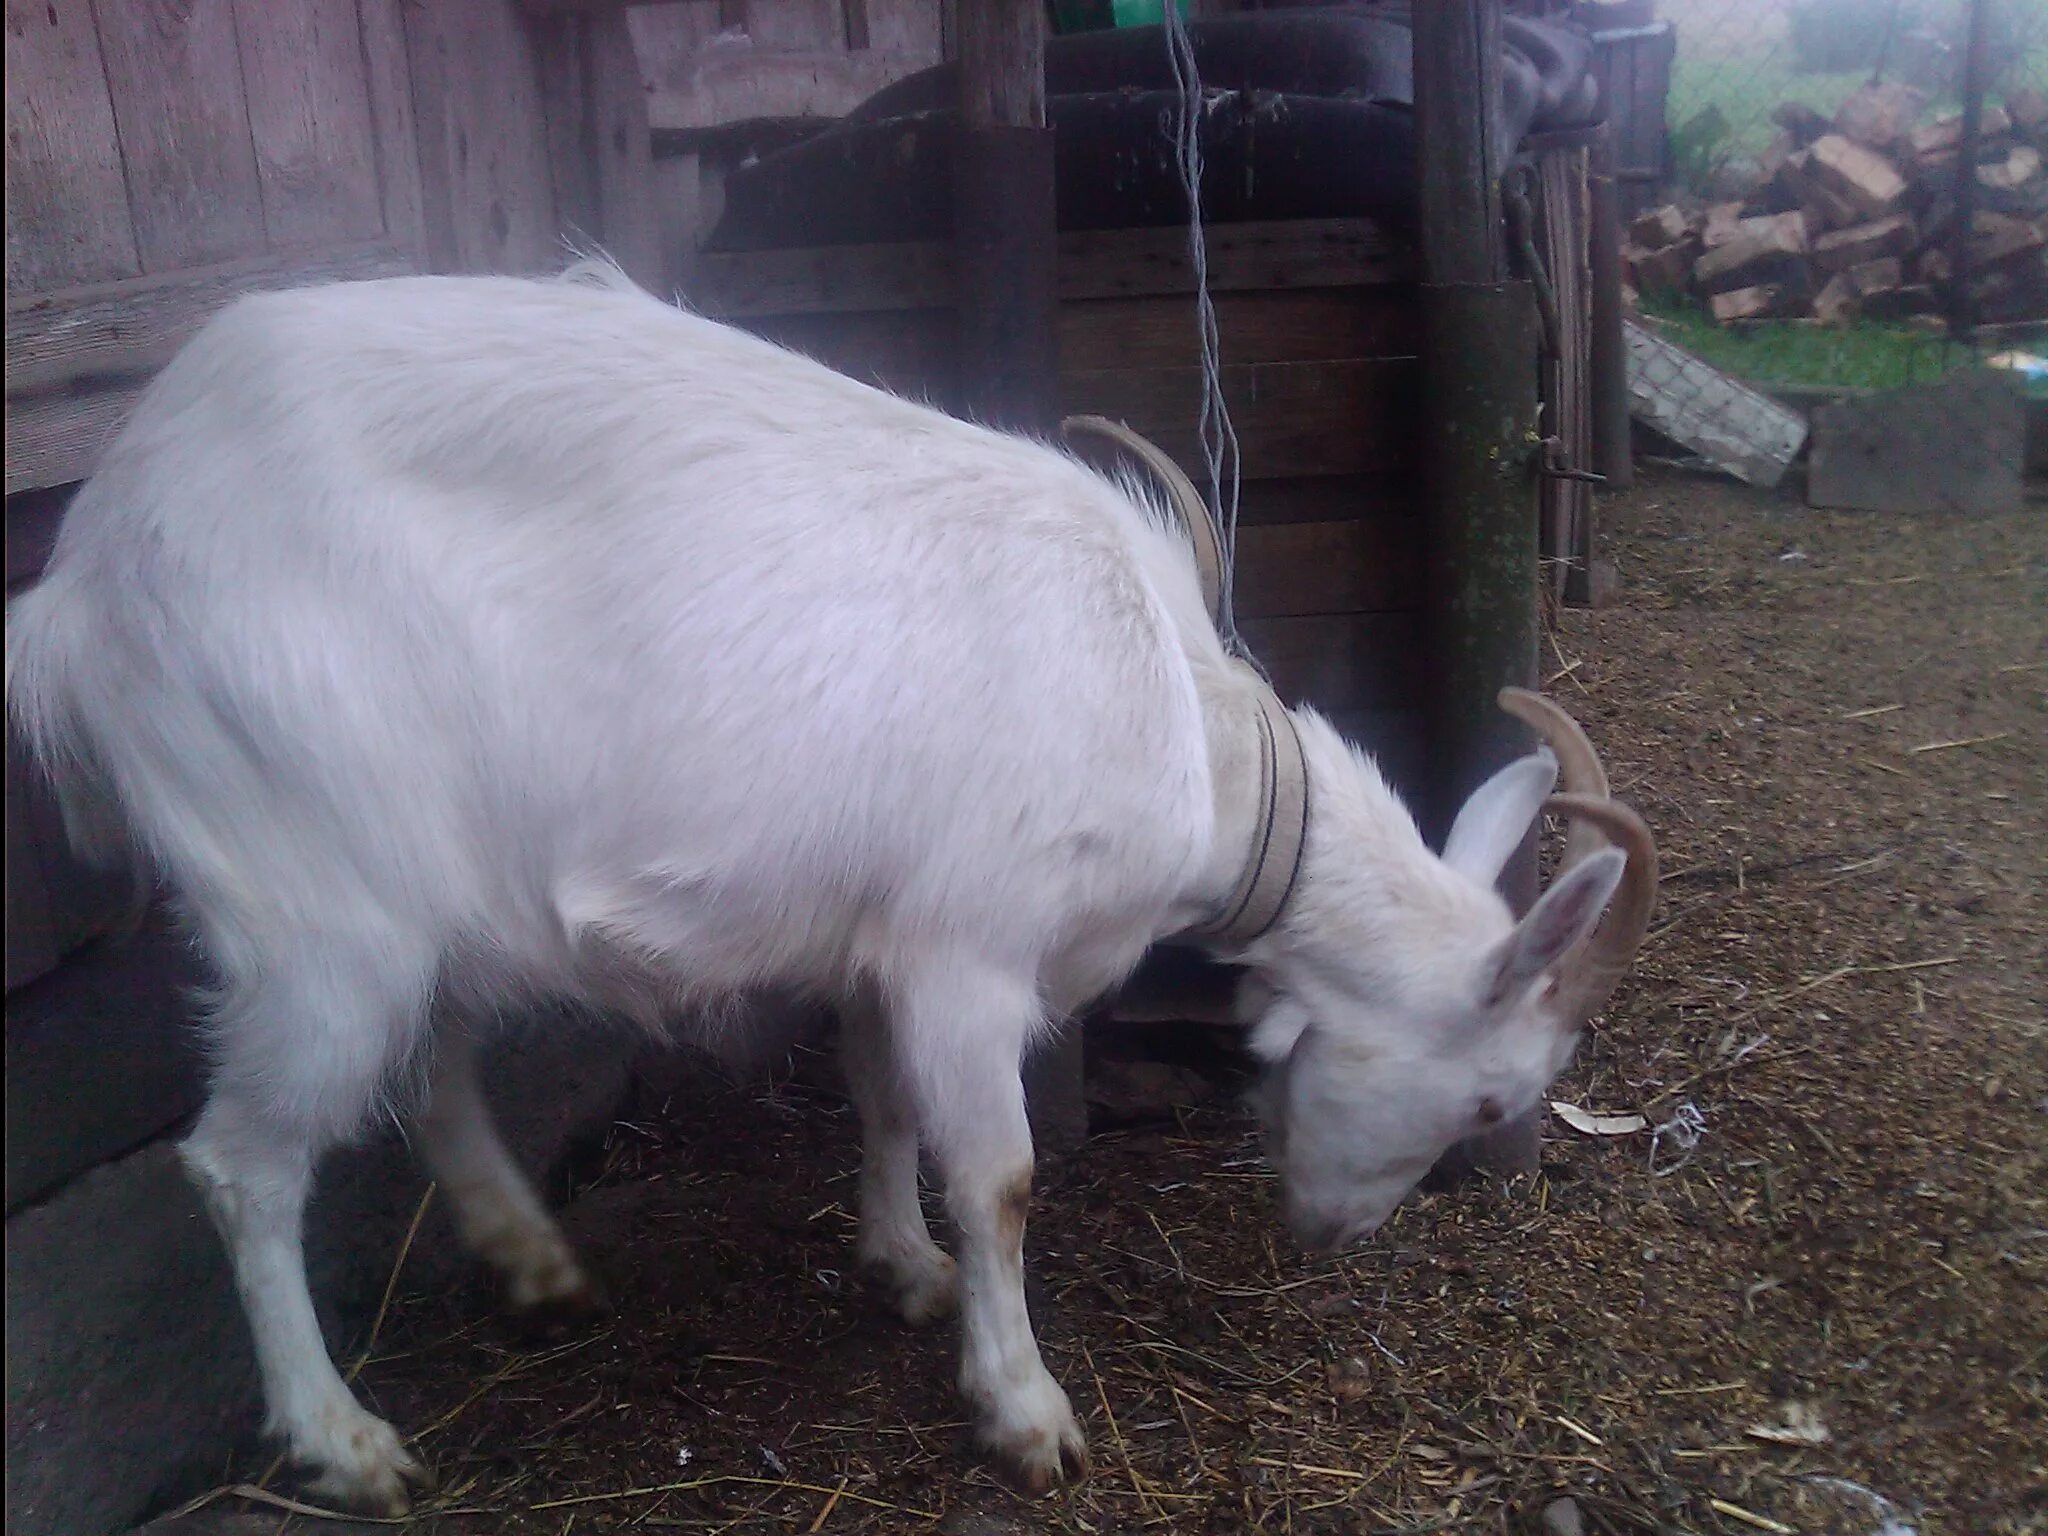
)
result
[(1408, 1010)]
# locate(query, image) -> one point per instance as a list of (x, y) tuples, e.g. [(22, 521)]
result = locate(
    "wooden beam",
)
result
[(1091, 264), (1003, 221), (78, 358), (1479, 415)]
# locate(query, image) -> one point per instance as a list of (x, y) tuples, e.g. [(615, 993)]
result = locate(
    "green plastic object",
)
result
[(1071, 16)]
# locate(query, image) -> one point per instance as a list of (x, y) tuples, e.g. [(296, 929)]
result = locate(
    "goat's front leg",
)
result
[(960, 1032)]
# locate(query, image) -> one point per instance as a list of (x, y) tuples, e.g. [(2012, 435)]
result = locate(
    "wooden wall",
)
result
[(1317, 323), (164, 156), (717, 62)]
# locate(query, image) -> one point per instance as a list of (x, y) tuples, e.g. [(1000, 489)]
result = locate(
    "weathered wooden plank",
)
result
[(913, 353), (54, 340), (1291, 418), (1341, 662), (183, 116), (304, 69), (1287, 570), (484, 164), (722, 84), (118, 334), (1302, 325), (911, 28), (61, 903), (388, 79), (1331, 498), (792, 25), (67, 203), (99, 1059), (1096, 264)]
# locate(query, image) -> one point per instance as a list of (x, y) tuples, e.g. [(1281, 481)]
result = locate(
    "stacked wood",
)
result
[(1854, 215)]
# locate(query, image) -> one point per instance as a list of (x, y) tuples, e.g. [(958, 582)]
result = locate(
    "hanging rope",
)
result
[(1218, 435)]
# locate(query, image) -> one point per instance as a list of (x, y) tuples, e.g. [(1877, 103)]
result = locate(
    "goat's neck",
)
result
[(1230, 715)]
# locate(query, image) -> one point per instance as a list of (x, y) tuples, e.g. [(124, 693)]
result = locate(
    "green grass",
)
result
[(1864, 356)]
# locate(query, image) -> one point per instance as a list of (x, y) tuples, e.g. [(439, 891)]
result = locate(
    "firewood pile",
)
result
[(1856, 217)]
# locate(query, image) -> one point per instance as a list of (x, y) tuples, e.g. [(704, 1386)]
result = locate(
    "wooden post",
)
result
[(1609, 359), (1962, 308), (1004, 250), (599, 144), (1479, 362), (1003, 233)]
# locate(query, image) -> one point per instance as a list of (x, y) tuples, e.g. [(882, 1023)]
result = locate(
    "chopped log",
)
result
[(1944, 136), (2028, 108), (1746, 303), (1661, 271), (1804, 123), (1899, 303), (1995, 238), (1836, 303), (1775, 154), (1797, 185), (1879, 276), (1762, 249), (1656, 228), (1841, 249), (1881, 114), (2020, 166), (1861, 175), (1722, 222), (1933, 267)]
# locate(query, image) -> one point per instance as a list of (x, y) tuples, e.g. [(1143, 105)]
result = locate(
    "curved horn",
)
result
[(1578, 764), (1187, 501), (1588, 976)]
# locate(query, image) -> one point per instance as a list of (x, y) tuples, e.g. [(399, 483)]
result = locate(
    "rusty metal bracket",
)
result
[(1550, 464)]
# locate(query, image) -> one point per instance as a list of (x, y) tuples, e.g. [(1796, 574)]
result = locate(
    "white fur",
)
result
[(449, 642)]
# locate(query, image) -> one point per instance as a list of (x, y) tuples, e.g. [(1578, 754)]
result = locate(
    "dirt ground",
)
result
[(1808, 1296)]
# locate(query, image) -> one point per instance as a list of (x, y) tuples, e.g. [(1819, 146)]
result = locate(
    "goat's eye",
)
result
[(1490, 1112)]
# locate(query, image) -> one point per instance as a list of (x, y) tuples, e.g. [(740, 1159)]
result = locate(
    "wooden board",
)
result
[(309, 109), (1342, 662), (1297, 253), (77, 359), (483, 152), (176, 79), (1295, 570), (1328, 418), (1276, 326), (387, 75), (67, 201)]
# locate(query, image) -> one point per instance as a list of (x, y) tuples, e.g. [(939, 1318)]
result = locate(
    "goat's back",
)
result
[(522, 612)]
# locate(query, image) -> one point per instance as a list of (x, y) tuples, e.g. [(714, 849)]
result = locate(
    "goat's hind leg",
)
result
[(302, 1052), (497, 1211), (894, 1243)]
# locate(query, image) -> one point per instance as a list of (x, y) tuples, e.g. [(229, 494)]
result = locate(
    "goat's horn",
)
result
[(1589, 974), (1578, 764), (1187, 501)]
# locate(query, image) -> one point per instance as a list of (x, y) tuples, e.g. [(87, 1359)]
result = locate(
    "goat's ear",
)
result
[(1569, 911), (1279, 1030), (1498, 815)]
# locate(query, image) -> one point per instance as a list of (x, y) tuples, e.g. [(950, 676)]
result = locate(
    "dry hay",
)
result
[(1831, 1290)]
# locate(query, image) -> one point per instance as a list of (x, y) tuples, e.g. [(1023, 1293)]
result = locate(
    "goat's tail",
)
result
[(50, 639)]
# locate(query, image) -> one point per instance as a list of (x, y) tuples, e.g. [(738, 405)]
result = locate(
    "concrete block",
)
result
[(1954, 446), (129, 1375)]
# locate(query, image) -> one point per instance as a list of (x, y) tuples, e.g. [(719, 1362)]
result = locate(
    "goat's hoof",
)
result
[(922, 1290), (557, 1299), (1037, 1451), (363, 1468)]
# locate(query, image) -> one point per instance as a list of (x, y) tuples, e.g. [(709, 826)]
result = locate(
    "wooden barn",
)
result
[(166, 155)]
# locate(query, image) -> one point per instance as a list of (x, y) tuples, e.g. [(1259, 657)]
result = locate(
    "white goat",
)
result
[(446, 642)]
